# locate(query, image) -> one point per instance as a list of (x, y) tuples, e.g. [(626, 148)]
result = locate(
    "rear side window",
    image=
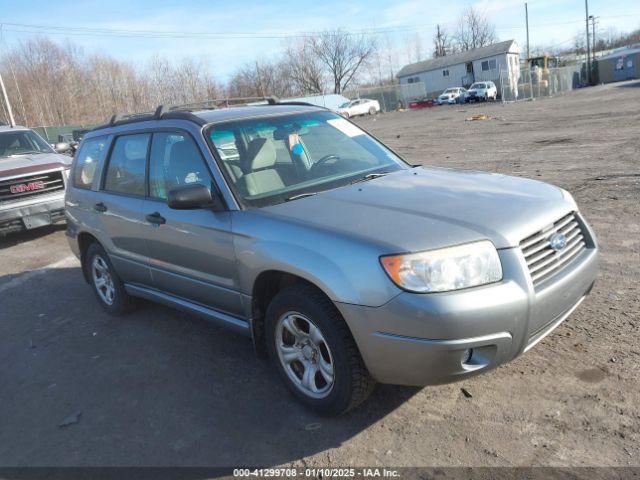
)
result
[(175, 160), (127, 165), (91, 154)]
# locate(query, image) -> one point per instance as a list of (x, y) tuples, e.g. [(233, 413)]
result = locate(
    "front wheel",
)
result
[(372, 110), (314, 352)]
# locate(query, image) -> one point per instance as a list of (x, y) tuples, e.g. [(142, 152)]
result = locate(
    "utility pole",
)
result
[(526, 14), (593, 36), (588, 64), (440, 47), (12, 122)]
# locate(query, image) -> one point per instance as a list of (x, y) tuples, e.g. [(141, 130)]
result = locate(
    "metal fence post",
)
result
[(530, 83)]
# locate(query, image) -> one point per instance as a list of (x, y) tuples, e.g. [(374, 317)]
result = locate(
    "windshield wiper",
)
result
[(370, 176), (300, 195)]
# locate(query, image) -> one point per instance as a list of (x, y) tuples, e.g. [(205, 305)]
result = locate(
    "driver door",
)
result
[(191, 253)]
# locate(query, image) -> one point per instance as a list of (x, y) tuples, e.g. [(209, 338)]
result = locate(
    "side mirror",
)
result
[(62, 147), (190, 197)]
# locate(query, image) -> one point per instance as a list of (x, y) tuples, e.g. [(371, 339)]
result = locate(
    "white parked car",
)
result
[(482, 91), (360, 106), (452, 95)]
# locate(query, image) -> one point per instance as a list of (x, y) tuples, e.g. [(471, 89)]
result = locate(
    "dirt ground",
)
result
[(161, 388)]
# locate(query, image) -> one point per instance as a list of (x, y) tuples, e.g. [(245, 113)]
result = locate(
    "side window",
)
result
[(91, 153), (127, 165), (175, 160)]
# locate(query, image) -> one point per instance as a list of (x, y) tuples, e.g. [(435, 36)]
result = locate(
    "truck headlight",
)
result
[(445, 269)]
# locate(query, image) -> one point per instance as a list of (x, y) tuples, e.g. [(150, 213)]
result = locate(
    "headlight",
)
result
[(445, 269)]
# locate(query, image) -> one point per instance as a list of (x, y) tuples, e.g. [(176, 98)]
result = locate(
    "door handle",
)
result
[(156, 218), (100, 207)]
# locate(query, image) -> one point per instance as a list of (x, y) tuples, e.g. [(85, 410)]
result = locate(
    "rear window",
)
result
[(91, 154), (126, 170)]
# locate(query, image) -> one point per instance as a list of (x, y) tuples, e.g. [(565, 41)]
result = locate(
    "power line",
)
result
[(126, 33)]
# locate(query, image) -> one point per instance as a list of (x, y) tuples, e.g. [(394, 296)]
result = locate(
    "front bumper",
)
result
[(438, 338), (34, 213)]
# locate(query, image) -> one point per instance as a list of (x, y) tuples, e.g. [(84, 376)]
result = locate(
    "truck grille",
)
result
[(30, 186), (542, 260)]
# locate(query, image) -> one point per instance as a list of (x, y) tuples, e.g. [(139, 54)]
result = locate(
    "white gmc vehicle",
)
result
[(32, 180)]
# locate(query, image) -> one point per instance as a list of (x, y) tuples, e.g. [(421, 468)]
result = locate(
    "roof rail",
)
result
[(183, 111)]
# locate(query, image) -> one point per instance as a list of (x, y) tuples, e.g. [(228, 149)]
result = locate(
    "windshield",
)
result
[(477, 85), (21, 142), (345, 105), (270, 160), (450, 90)]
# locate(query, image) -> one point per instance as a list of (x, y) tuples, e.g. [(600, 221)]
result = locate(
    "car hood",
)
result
[(28, 164), (426, 208)]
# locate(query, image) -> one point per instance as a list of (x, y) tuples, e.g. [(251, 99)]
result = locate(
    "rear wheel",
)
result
[(314, 352), (107, 286), (372, 110)]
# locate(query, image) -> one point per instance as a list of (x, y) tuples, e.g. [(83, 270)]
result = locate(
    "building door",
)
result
[(619, 70), (469, 78), (630, 68)]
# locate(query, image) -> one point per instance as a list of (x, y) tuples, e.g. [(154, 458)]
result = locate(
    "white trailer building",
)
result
[(499, 63)]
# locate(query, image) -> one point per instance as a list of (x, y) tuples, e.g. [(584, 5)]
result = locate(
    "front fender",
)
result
[(346, 271)]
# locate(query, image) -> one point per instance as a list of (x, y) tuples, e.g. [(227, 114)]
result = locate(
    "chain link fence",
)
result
[(390, 97), (538, 83), (62, 133)]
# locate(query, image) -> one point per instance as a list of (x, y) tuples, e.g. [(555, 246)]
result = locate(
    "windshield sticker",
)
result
[(345, 127)]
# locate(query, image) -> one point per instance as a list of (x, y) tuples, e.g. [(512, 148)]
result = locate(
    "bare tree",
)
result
[(305, 68), (415, 48), (441, 42), (474, 30), (342, 55), (57, 84)]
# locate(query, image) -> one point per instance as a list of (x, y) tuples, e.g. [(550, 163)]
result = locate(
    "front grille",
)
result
[(542, 260), (30, 186)]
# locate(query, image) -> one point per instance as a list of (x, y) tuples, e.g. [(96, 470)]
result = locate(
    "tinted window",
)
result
[(126, 170), (175, 160), (88, 158), (22, 142)]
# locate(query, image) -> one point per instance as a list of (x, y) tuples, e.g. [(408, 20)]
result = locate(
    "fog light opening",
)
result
[(466, 356)]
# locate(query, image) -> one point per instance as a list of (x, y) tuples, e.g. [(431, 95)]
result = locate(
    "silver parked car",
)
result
[(452, 95), (32, 180), (290, 224)]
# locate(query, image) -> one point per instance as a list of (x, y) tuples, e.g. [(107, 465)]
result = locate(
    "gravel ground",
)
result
[(161, 388)]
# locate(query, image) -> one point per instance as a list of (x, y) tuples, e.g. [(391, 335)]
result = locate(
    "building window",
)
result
[(445, 73), (413, 80), (489, 65)]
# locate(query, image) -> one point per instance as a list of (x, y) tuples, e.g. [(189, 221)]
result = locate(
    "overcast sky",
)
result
[(552, 22)]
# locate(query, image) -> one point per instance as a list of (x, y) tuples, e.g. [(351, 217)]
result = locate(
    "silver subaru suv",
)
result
[(347, 266)]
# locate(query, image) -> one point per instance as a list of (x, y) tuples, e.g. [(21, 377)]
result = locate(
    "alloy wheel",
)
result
[(305, 355), (102, 280)]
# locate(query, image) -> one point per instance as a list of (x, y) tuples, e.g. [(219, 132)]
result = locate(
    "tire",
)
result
[(346, 115), (305, 309), (372, 110), (96, 259)]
